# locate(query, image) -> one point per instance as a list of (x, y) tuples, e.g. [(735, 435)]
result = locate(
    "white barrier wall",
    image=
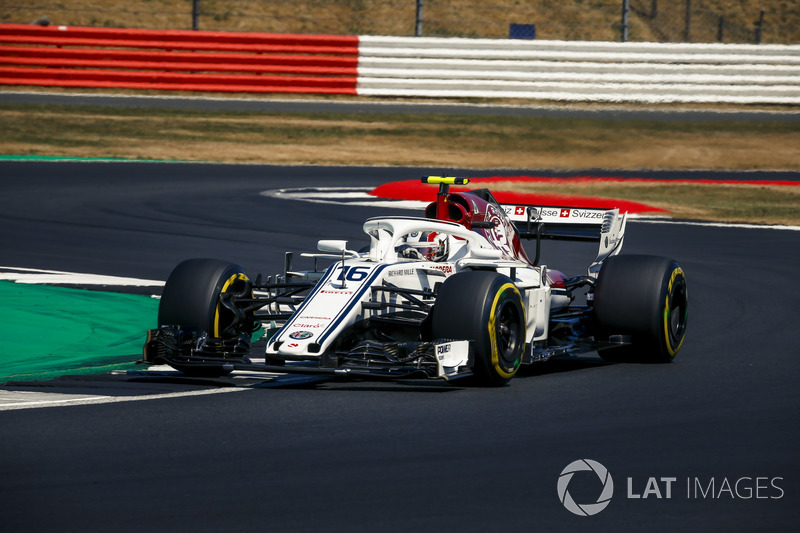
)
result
[(579, 70)]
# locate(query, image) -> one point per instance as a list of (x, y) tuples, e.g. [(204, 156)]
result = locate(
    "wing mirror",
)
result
[(332, 247), (487, 253)]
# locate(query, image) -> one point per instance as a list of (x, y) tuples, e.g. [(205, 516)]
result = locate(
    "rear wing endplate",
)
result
[(605, 226)]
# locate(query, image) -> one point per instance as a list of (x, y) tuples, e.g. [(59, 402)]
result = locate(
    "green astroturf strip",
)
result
[(50, 331)]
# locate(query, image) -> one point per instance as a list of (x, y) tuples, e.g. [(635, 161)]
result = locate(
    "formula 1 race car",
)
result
[(450, 294)]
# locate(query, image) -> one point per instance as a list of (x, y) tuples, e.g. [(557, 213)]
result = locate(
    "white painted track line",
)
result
[(13, 400), (58, 277)]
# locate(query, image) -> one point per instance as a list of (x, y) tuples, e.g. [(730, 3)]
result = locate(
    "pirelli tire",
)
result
[(484, 307), (193, 297), (646, 298)]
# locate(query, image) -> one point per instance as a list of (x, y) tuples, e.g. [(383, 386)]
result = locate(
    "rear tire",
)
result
[(644, 297), (192, 299), (486, 308)]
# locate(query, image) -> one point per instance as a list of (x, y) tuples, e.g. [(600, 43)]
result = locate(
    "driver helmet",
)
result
[(428, 245)]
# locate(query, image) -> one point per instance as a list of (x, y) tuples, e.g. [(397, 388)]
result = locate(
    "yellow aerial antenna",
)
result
[(445, 180), (444, 189)]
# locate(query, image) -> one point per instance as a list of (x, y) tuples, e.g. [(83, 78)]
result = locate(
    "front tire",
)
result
[(486, 308), (199, 294), (646, 298)]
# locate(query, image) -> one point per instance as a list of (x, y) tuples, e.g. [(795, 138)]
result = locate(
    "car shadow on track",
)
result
[(327, 383), (565, 364), (554, 366)]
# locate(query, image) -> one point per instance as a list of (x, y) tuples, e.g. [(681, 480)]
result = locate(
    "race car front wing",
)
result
[(191, 348)]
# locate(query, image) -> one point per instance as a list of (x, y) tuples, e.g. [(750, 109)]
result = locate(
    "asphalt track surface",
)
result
[(306, 105), (420, 456)]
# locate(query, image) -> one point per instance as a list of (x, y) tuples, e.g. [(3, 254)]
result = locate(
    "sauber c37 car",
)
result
[(450, 294)]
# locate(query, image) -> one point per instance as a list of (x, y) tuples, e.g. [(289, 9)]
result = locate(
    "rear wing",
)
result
[(605, 226)]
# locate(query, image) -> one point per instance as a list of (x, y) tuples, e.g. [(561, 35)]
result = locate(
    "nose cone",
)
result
[(297, 343)]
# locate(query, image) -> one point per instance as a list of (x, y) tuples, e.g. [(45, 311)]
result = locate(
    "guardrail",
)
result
[(579, 71), (399, 67), (177, 60)]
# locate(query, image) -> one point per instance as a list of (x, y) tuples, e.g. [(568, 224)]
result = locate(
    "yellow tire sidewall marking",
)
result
[(492, 324), (672, 351)]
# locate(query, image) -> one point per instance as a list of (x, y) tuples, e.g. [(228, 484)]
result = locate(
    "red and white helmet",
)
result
[(429, 245)]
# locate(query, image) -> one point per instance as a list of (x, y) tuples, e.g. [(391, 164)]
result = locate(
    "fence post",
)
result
[(687, 31), (760, 27), (720, 29), (418, 24), (195, 14), (625, 9)]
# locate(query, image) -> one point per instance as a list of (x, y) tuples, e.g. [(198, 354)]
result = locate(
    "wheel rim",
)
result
[(677, 312), (508, 332)]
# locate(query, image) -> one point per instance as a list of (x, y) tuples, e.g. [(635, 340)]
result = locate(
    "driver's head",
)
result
[(430, 245)]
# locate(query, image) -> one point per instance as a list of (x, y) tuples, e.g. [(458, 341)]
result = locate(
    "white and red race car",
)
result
[(450, 294)]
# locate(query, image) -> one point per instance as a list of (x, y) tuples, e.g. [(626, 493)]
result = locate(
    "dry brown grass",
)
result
[(439, 141), (386, 139), (755, 204), (554, 19)]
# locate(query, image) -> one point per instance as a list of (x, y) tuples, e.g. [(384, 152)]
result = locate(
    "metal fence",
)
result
[(703, 21), (694, 21)]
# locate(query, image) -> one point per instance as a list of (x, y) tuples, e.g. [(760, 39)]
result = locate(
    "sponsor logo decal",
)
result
[(578, 213), (566, 212), (447, 269), (301, 335), (498, 235), (442, 350), (401, 272)]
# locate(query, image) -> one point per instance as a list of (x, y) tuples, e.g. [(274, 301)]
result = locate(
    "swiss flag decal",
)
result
[(519, 210), (564, 213)]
